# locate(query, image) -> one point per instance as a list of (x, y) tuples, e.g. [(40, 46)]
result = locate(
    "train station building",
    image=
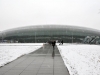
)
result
[(45, 33)]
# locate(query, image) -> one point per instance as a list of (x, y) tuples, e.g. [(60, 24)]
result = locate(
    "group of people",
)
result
[(61, 42), (54, 43)]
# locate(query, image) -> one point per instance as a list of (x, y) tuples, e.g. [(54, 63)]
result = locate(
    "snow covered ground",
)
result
[(81, 59), (10, 52)]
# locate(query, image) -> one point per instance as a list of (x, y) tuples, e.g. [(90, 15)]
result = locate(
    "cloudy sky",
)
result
[(18, 13)]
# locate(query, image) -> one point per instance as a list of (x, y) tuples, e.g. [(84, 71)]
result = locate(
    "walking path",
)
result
[(41, 62)]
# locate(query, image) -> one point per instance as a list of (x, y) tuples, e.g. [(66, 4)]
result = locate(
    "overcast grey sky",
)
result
[(18, 13)]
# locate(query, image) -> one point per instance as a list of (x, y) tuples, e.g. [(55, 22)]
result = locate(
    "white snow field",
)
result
[(10, 52), (81, 59)]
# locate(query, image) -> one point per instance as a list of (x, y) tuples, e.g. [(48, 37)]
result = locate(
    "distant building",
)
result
[(45, 33)]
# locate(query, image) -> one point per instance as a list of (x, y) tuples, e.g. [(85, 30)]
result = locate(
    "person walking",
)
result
[(62, 42), (53, 44)]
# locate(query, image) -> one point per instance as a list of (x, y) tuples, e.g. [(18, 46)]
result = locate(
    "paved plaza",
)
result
[(43, 61)]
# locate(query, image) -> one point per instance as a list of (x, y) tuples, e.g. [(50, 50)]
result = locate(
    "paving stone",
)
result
[(2, 72), (44, 74), (18, 68), (5, 68), (29, 73), (46, 71), (36, 69), (13, 72)]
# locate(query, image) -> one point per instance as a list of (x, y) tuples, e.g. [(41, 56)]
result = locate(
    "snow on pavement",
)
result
[(81, 59), (10, 52)]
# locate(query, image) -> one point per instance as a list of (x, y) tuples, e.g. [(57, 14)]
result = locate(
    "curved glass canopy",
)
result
[(45, 33)]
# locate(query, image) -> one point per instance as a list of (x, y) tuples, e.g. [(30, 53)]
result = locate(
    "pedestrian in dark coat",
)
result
[(62, 42), (53, 44)]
